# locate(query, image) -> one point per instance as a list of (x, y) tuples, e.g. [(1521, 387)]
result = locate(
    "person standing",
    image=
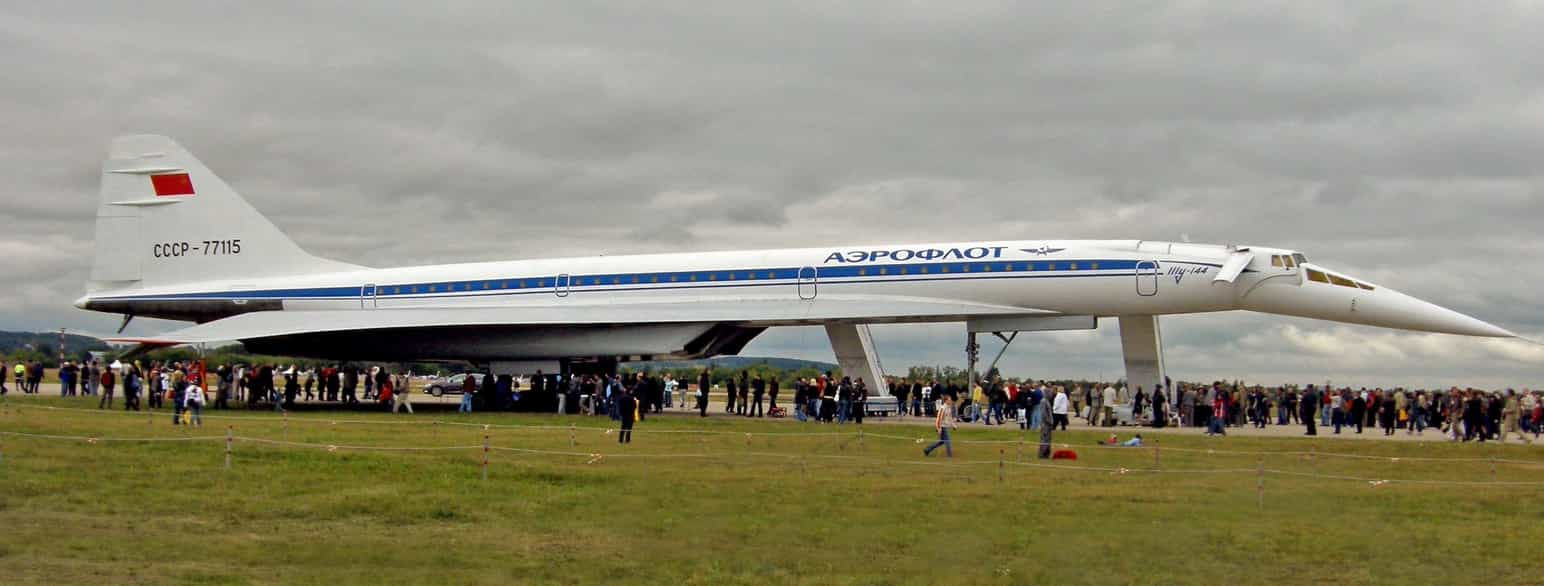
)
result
[(193, 398), (291, 387), (682, 388), (468, 391), (179, 396), (133, 384), (1219, 419), (844, 400), (1510, 414), (860, 396), (1387, 415), (1059, 409), (732, 389), (772, 393), (743, 407), (399, 395), (942, 427), (704, 383), (1307, 408), (628, 407), (1337, 409), (109, 380), (350, 384), (1107, 404), (759, 393), (1359, 410), (670, 391)]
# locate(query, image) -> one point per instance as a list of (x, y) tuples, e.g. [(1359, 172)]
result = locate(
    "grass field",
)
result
[(685, 507)]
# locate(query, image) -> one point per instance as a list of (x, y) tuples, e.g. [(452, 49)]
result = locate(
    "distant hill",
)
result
[(47, 344), (734, 363)]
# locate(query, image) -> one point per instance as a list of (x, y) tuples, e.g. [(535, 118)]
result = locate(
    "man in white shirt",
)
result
[(1059, 409), (1109, 406)]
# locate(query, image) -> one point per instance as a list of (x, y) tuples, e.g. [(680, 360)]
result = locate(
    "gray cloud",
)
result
[(1392, 141)]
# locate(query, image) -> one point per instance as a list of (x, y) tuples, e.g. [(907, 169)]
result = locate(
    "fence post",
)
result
[(1260, 482), (485, 458), (228, 434)]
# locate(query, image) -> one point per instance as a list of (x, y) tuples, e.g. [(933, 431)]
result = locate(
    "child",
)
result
[(193, 404)]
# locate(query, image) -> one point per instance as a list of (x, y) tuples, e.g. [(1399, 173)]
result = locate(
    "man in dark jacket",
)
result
[(628, 405), (1308, 409), (759, 392)]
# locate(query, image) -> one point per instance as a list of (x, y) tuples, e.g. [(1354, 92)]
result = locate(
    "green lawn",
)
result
[(694, 508)]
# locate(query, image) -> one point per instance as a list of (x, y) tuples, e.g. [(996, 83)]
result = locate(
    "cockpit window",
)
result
[(1342, 281), (1291, 264), (1299, 258), (1318, 276), (1276, 260)]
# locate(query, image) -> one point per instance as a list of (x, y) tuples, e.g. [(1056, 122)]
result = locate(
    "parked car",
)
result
[(451, 385)]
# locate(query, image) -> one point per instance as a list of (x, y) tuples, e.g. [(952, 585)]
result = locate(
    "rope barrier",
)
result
[(88, 438), (1313, 453), (597, 457)]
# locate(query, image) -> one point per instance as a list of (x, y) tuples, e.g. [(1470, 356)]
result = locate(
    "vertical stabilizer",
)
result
[(164, 218)]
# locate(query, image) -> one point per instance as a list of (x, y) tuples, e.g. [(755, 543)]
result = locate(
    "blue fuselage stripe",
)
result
[(841, 274)]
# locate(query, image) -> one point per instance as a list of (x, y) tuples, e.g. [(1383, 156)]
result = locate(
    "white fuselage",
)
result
[(1099, 278)]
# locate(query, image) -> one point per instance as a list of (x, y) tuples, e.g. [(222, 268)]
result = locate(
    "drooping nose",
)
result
[(1392, 309), (1333, 297), (81, 302)]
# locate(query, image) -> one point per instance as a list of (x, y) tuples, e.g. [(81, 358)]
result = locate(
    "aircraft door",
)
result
[(560, 285), (367, 296), (809, 282), (1147, 278)]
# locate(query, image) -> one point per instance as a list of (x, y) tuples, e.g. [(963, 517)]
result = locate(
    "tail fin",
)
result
[(164, 219)]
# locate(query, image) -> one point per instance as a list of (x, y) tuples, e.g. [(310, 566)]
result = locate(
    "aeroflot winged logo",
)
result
[(1043, 250)]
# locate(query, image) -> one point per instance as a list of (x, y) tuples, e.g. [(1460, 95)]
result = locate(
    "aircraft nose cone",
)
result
[(1415, 314), (81, 302)]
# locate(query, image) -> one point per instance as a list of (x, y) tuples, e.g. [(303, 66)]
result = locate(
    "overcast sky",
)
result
[(1398, 142)]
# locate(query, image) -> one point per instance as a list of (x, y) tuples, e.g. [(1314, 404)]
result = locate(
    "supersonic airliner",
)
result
[(174, 241)]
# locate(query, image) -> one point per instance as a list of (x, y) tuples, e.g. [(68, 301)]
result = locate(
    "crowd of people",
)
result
[(28, 376), (1459, 414)]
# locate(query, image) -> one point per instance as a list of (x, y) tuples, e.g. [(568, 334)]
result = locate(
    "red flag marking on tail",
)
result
[(177, 184)]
